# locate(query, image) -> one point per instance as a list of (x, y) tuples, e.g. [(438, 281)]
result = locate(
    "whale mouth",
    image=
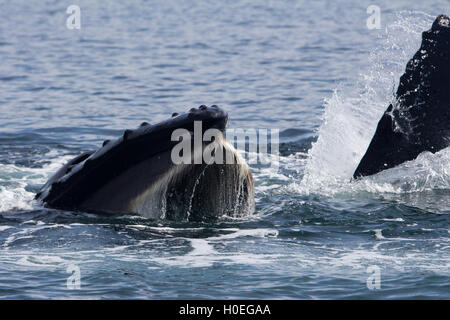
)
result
[(137, 173), (87, 173)]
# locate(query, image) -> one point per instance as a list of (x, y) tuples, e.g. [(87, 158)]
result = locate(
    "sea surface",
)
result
[(312, 69)]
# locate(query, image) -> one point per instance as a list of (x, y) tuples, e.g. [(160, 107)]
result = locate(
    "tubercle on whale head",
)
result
[(211, 117)]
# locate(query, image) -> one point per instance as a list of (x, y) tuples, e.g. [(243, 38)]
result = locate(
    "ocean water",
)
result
[(313, 70)]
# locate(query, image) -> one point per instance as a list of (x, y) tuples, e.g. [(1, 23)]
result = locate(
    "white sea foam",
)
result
[(14, 180), (204, 254), (257, 233), (41, 260), (200, 260)]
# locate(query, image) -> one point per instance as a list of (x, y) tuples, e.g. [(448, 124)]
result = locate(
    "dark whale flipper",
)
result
[(420, 118)]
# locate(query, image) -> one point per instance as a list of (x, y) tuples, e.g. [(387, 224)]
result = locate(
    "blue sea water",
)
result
[(311, 69)]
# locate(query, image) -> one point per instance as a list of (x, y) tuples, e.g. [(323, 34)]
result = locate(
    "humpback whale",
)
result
[(136, 174), (419, 120)]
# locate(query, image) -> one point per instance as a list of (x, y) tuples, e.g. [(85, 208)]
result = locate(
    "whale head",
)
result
[(136, 173)]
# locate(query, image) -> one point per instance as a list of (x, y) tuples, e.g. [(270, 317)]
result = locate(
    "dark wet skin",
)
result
[(420, 121)]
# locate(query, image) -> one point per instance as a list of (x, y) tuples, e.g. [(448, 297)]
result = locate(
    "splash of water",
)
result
[(14, 182), (351, 117)]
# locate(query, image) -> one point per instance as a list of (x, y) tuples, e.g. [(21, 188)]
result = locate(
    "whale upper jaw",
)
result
[(113, 178), (420, 118), (211, 118)]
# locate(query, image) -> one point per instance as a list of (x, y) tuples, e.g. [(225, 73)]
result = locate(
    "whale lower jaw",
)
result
[(181, 192), (199, 191), (158, 189)]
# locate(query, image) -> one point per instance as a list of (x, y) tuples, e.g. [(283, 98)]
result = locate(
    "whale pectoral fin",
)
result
[(386, 150), (420, 119)]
